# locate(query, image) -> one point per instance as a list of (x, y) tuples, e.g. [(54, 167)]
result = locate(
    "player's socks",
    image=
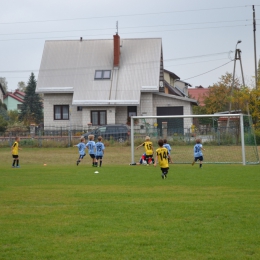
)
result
[(100, 163), (13, 163), (200, 165), (17, 162)]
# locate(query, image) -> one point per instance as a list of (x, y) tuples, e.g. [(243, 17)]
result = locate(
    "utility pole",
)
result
[(236, 57), (254, 29)]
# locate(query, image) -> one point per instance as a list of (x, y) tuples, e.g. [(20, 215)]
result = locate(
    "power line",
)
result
[(132, 27), (125, 15), (207, 71), (122, 33)]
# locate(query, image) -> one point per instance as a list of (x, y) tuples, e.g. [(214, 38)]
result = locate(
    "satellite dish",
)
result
[(161, 84)]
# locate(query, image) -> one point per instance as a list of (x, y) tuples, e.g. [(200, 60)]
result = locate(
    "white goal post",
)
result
[(227, 138)]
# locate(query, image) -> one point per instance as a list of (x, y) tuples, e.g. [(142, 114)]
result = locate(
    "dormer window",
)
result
[(102, 74)]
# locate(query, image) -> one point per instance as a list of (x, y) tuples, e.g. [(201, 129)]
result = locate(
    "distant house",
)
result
[(105, 81), (174, 85), (14, 100), (2, 93), (199, 93)]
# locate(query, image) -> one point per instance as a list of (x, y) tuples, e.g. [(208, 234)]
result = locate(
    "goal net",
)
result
[(227, 138)]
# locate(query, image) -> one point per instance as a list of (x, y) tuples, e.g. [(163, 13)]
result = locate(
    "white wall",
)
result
[(60, 99)]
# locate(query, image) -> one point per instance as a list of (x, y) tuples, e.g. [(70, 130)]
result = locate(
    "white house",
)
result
[(105, 81)]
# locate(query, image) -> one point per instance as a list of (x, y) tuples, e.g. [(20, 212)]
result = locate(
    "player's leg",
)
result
[(79, 159), (14, 161), (201, 160), (100, 161), (195, 160), (17, 162)]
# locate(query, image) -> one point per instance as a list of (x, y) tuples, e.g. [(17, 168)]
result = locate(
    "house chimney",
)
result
[(116, 50)]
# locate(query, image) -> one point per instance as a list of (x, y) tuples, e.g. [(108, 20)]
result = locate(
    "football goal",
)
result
[(227, 138)]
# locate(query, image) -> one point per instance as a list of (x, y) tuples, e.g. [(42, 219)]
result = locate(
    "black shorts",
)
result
[(92, 155), (99, 157), (165, 170), (15, 156), (81, 156), (200, 158)]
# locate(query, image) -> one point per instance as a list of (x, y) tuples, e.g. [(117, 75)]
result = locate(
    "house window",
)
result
[(79, 108), (102, 74), (61, 112), (98, 117), (19, 106)]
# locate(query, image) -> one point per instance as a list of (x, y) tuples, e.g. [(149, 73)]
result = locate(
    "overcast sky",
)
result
[(197, 35)]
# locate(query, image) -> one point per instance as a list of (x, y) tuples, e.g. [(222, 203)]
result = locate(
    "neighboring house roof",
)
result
[(10, 94), (19, 93), (173, 90), (172, 74), (193, 101), (69, 67), (198, 94)]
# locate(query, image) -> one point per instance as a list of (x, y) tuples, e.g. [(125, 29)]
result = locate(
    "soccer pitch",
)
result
[(64, 211)]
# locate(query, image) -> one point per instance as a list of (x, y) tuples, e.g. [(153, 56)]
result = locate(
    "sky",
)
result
[(199, 37)]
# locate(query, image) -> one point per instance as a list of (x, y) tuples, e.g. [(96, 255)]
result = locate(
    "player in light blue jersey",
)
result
[(91, 145), (82, 148), (198, 155), (168, 147), (100, 147)]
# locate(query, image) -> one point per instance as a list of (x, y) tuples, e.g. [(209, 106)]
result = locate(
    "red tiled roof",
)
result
[(198, 94), (19, 93), (13, 96)]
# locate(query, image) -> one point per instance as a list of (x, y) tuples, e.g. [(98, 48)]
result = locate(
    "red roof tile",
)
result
[(198, 94)]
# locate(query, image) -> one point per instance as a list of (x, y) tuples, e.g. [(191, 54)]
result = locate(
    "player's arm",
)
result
[(139, 146), (156, 161), (12, 148)]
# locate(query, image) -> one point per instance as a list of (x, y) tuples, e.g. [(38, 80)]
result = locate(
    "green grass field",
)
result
[(64, 211)]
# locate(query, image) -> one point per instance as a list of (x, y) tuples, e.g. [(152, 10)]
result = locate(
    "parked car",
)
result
[(118, 132)]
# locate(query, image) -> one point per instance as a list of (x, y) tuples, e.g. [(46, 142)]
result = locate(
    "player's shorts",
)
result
[(92, 155), (81, 156), (200, 158), (15, 156), (165, 170), (99, 157)]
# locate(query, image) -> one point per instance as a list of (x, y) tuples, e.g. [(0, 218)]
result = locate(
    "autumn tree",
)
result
[(218, 97), (31, 111)]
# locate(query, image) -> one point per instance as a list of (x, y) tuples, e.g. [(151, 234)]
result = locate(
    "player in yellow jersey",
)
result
[(162, 159), (148, 146), (14, 150)]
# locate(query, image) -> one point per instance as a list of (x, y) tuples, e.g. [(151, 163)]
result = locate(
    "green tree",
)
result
[(13, 116), (3, 123), (31, 111)]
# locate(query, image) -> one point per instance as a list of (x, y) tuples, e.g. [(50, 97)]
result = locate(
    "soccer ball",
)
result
[(144, 162), (96, 172)]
